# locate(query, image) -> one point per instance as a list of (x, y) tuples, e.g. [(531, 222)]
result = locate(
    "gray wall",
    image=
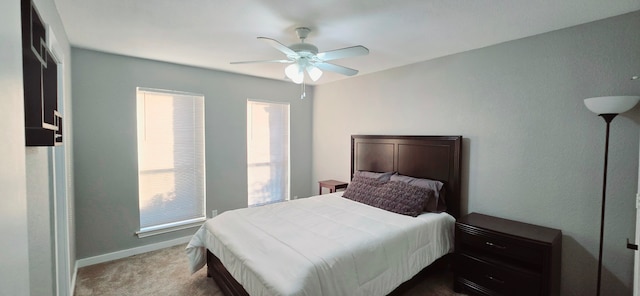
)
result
[(532, 151), (14, 272), (104, 90)]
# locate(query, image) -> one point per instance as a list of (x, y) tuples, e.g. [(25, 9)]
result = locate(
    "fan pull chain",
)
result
[(304, 93)]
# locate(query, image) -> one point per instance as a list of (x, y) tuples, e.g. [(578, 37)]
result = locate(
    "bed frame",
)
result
[(432, 157)]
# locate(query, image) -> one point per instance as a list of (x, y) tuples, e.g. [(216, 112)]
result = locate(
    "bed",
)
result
[(335, 245)]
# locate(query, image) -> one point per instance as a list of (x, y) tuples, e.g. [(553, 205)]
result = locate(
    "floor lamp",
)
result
[(608, 108)]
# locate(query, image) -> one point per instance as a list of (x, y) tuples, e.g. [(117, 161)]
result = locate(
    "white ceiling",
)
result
[(213, 33)]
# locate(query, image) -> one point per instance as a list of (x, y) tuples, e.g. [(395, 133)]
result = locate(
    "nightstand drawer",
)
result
[(502, 246), (499, 278)]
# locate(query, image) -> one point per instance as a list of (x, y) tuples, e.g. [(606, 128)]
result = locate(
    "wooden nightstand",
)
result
[(333, 185), (497, 256)]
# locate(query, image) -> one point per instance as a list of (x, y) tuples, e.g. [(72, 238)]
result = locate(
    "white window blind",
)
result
[(267, 152), (171, 172)]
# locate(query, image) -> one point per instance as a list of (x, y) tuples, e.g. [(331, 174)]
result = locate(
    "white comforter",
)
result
[(322, 245)]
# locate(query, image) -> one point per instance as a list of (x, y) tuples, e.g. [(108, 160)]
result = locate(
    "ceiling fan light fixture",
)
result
[(314, 73), (304, 57), (294, 72)]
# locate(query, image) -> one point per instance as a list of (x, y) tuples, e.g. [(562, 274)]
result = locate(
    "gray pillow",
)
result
[(384, 177), (393, 196), (436, 204)]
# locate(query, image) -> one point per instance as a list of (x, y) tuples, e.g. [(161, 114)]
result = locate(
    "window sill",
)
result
[(170, 227)]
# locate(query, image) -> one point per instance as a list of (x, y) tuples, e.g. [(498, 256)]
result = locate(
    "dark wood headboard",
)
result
[(430, 157)]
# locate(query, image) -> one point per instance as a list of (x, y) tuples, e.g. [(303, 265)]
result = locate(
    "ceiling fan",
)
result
[(305, 57)]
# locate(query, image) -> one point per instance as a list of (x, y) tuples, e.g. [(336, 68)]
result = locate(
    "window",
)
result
[(171, 172), (267, 152)]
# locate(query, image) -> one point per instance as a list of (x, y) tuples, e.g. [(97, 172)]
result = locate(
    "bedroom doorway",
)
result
[(59, 155), (636, 256), (636, 265)]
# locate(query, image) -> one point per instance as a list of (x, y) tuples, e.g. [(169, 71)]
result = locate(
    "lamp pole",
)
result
[(608, 108), (607, 118)]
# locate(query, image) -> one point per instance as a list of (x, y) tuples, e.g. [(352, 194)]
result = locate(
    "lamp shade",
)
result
[(294, 72), (314, 73), (612, 104)]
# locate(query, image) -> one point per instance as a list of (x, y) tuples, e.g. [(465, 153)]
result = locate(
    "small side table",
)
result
[(333, 185)]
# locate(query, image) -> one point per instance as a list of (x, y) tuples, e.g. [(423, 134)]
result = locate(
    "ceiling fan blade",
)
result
[(337, 69), (279, 46), (343, 53), (265, 61)]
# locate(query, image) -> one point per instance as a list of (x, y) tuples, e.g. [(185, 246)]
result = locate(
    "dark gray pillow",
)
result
[(374, 175), (393, 196), (436, 204)]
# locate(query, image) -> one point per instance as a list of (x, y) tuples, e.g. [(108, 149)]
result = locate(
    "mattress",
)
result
[(322, 245)]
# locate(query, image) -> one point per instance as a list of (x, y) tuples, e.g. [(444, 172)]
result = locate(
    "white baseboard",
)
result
[(73, 279), (130, 252)]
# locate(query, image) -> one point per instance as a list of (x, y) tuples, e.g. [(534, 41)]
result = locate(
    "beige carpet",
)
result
[(166, 272)]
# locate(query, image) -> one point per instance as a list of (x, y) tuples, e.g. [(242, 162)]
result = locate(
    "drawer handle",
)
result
[(494, 279), (490, 244)]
